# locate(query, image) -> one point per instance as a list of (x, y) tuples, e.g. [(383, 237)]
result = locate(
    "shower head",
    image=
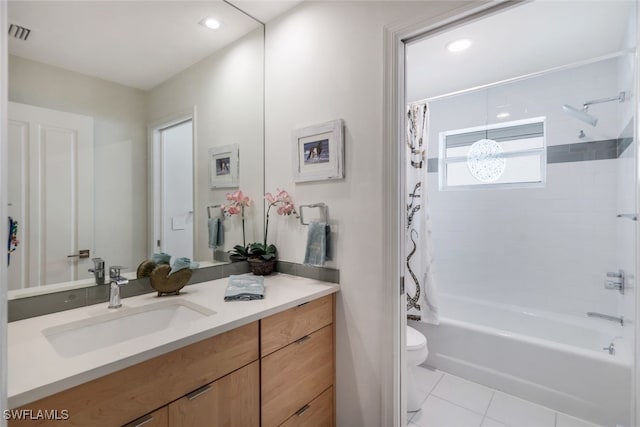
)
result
[(584, 116), (581, 115)]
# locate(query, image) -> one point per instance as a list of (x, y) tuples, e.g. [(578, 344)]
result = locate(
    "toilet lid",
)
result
[(415, 339)]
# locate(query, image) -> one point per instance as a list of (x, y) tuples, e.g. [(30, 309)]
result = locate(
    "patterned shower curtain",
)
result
[(421, 291)]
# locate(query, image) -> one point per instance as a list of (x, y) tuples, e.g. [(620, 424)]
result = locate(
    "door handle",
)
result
[(82, 253)]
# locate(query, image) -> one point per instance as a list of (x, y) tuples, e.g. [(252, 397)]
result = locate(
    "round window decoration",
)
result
[(486, 160)]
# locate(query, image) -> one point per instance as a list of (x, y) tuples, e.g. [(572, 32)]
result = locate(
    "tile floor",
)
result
[(454, 402)]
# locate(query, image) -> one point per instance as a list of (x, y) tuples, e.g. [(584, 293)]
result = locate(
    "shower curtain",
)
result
[(419, 285)]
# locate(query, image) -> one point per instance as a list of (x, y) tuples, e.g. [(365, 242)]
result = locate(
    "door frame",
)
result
[(395, 38), (4, 147), (154, 210)]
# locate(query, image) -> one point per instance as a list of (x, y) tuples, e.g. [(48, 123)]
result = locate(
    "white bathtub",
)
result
[(552, 359)]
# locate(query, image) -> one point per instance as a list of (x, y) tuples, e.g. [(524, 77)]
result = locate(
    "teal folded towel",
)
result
[(317, 250), (216, 233), (161, 258), (181, 264), (244, 288)]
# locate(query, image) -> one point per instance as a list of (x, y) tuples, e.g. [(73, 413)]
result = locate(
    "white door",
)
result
[(50, 195), (176, 151)]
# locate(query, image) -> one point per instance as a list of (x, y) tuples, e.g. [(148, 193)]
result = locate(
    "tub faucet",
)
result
[(607, 317), (117, 281), (98, 270), (611, 349)]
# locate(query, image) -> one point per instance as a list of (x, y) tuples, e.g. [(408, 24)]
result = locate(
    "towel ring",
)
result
[(209, 210), (323, 208)]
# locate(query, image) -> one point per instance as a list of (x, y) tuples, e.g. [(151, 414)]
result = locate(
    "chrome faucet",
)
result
[(607, 317), (98, 270), (117, 281)]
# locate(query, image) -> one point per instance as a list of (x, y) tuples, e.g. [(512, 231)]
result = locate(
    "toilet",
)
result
[(417, 353)]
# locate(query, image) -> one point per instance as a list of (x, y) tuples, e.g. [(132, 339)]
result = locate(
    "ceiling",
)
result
[(134, 43), (525, 39), (265, 10)]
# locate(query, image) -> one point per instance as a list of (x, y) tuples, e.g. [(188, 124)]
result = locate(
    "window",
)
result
[(503, 155)]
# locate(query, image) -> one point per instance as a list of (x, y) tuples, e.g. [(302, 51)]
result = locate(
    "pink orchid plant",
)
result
[(282, 200), (237, 202), (285, 205)]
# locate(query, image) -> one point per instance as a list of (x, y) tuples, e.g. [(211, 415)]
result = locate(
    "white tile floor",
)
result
[(454, 402)]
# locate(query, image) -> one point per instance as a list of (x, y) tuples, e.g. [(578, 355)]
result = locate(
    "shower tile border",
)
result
[(605, 149), (25, 308)]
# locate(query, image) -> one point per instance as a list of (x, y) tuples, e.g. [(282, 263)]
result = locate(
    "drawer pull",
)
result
[(303, 339), (141, 421), (195, 393), (302, 410)]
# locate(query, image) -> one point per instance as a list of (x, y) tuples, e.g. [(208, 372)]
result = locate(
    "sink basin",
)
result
[(121, 325)]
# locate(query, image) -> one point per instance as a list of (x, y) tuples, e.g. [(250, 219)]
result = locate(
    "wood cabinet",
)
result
[(128, 394), (278, 371), (158, 418), (233, 400), (288, 326), (298, 364), (317, 413)]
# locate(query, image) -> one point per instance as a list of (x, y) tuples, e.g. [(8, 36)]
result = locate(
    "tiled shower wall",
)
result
[(546, 248)]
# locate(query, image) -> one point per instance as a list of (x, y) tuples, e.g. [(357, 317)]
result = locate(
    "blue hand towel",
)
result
[(161, 258), (244, 288), (216, 233), (181, 264), (317, 240)]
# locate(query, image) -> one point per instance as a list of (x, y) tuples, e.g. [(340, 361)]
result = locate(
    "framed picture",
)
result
[(318, 152), (223, 166)]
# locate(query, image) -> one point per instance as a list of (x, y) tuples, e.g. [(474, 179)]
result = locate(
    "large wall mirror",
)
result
[(115, 111)]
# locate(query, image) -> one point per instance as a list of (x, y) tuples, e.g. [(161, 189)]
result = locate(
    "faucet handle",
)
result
[(114, 271)]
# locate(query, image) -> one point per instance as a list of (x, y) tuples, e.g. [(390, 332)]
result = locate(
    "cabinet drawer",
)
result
[(284, 328), (159, 418), (295, 375), (125, 395), (317, 413), (233, 400)]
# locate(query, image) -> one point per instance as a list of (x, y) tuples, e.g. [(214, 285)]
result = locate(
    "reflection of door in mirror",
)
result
[(51, 194), (176, 190)]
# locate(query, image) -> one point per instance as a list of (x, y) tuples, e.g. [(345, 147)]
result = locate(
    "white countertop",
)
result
[(36, 370)]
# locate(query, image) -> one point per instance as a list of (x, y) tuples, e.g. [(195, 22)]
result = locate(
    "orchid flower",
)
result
[(284, 204), (238, 202)]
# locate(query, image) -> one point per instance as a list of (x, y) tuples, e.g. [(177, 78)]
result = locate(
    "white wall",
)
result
[(226, 89), (120, 165), (548, 248), (325, 61)]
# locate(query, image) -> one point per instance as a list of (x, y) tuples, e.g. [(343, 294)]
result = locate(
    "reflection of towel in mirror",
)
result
[(244, 288), (318, 244), (181, 264), (216, 233), (161, 258)]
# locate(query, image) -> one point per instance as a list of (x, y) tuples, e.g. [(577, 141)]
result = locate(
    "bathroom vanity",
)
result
[(248, 363)]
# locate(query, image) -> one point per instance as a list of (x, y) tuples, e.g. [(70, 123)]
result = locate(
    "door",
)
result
[(51, 197), (176, 151)]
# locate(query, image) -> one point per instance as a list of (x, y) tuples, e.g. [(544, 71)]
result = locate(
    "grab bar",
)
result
[(606, 317)]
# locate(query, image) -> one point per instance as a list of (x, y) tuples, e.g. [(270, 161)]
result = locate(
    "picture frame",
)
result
[(224, 166), (318, 152)]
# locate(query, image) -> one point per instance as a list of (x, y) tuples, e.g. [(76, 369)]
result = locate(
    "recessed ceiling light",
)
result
[(503, 115), (210, 23), (459, 45)]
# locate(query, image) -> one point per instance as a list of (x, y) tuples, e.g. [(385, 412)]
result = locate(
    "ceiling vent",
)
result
[(19, 32)]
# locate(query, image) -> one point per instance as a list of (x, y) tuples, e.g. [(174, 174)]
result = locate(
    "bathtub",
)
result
[(552, 359)]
